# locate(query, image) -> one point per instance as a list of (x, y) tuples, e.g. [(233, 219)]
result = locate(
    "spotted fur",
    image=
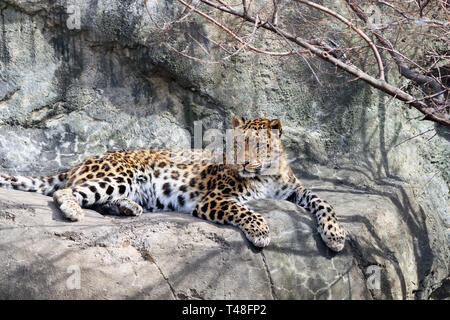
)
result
[(136, 181)]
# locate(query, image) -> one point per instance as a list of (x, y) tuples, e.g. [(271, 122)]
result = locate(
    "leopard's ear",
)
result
[(275, 124), (237, 121)]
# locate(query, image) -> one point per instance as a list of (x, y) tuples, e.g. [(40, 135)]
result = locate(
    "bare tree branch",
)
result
[(420, 79), (357, 30), (430, 77), (231, 33)]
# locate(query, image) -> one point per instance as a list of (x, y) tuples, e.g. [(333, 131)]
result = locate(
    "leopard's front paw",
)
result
[(258, 233), (334, 237), (259, 241)]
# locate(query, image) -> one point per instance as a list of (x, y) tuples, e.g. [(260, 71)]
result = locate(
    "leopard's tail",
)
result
[(43, 185)]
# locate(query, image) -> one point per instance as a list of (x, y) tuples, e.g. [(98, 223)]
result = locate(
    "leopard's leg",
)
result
[(227, 211), (329, 228), (69, 204), (95, 192)]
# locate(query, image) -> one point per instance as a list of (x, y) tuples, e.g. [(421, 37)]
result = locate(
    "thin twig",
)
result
[(298, 53), (427, 97), (199, 44), (275, 12), (231, 33), (415, 136), (223, 59)]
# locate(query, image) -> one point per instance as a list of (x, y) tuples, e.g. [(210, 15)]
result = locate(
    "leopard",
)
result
[(130, 182)]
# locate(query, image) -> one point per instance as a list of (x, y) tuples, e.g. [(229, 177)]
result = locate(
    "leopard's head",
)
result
[(257, 146)]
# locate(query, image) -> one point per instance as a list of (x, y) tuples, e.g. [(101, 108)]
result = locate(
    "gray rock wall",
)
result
[(66, 94)]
